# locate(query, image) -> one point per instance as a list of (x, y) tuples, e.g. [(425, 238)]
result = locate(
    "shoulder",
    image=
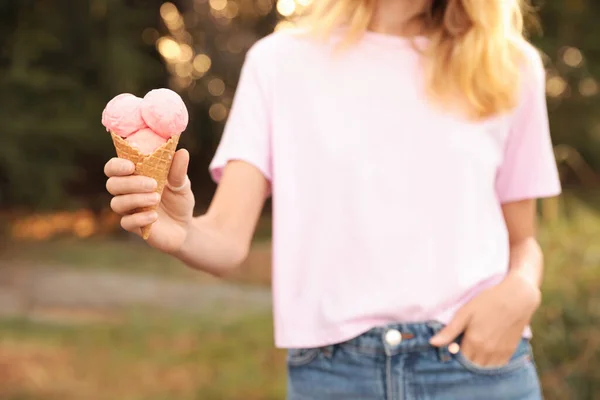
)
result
[(287, 45), (531, 103), (532, 78), (273, 59), (532, 64)]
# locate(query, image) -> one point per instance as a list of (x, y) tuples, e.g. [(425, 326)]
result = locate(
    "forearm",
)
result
[(527, 261), (209, 248)]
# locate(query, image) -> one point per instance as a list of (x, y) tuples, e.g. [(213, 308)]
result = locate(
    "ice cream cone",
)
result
[(155, 165)]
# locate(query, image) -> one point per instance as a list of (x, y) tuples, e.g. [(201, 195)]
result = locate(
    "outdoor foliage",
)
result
[(566, 340), (61, 61)]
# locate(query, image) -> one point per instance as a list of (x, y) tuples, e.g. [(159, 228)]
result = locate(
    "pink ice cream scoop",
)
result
[(123, 115), (164, 112), (146, 141)]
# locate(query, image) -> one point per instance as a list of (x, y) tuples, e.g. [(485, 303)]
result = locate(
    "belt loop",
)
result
[(444, 354), (328, 351)]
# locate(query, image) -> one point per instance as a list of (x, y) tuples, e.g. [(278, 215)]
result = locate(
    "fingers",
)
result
[(482, 353), (120, 185), (134, 223), (179, 168), (473, 349), (453, 329), (118, 167), (125, 204), (133, 192), (487, 352)]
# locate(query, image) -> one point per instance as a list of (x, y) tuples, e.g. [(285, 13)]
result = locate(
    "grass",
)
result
[(155, 357), (147, 357), (566, 327), (131, 256)]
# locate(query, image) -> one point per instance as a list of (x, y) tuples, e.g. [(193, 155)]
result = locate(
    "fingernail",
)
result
[(152, 217), (126, 169), (150, 184), (155, 198), (454, 348)]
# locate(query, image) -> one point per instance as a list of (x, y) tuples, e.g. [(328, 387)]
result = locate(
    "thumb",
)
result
[(178, 173), (452, 330)]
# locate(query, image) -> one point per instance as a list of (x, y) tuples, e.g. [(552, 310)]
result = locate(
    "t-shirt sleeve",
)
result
[(247, 134), (528, 169)]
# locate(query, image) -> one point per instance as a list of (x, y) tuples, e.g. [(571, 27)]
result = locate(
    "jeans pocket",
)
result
[(301, 357), (521, 358)]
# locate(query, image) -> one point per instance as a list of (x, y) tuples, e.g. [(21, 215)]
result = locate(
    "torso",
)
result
[(385, 207)]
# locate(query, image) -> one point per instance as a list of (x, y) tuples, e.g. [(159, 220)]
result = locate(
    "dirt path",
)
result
[(65, 293)]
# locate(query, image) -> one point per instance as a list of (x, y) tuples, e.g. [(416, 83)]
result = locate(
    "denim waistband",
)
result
[(395, 338)]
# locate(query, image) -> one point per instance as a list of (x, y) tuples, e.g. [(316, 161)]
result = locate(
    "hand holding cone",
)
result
[(146, 132)]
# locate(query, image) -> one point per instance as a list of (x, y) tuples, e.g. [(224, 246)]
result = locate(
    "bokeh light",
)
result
[(184, 70), (186, 53), (202, 63), (216, 87), (218, 112), (168, 48), (286, 7), (169, 12), (572, 57), (556, 86), (588, 87), (218, 5)]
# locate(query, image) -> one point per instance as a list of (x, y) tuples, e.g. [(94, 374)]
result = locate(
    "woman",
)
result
[(404, 143)]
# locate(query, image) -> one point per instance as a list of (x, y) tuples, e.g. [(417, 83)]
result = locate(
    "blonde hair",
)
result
[(474, 51)]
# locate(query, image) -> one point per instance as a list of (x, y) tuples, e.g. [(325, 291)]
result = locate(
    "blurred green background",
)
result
[(89, 313)]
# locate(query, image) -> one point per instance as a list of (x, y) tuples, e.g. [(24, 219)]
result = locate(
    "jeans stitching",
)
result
[(302, 357), (389, 378), (510, 367), (375, 351)]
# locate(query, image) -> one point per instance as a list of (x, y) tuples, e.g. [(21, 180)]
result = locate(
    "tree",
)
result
[(60, 61)]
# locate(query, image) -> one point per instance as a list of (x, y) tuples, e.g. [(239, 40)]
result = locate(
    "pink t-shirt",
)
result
[(385, 209)]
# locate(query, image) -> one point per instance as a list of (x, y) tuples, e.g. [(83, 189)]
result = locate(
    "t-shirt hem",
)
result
[(356, 332), (530, 196), (313, 342)]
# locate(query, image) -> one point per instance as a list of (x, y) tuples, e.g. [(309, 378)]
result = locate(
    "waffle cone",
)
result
[(155, 165)]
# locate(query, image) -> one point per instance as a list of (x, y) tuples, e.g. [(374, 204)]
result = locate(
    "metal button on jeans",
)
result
[(393, 337)]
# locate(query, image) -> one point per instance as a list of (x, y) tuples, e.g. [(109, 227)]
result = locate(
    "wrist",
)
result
[(525, 288), (186, 244)]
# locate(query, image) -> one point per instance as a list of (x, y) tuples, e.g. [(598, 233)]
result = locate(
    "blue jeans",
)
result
[(397, 362)]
